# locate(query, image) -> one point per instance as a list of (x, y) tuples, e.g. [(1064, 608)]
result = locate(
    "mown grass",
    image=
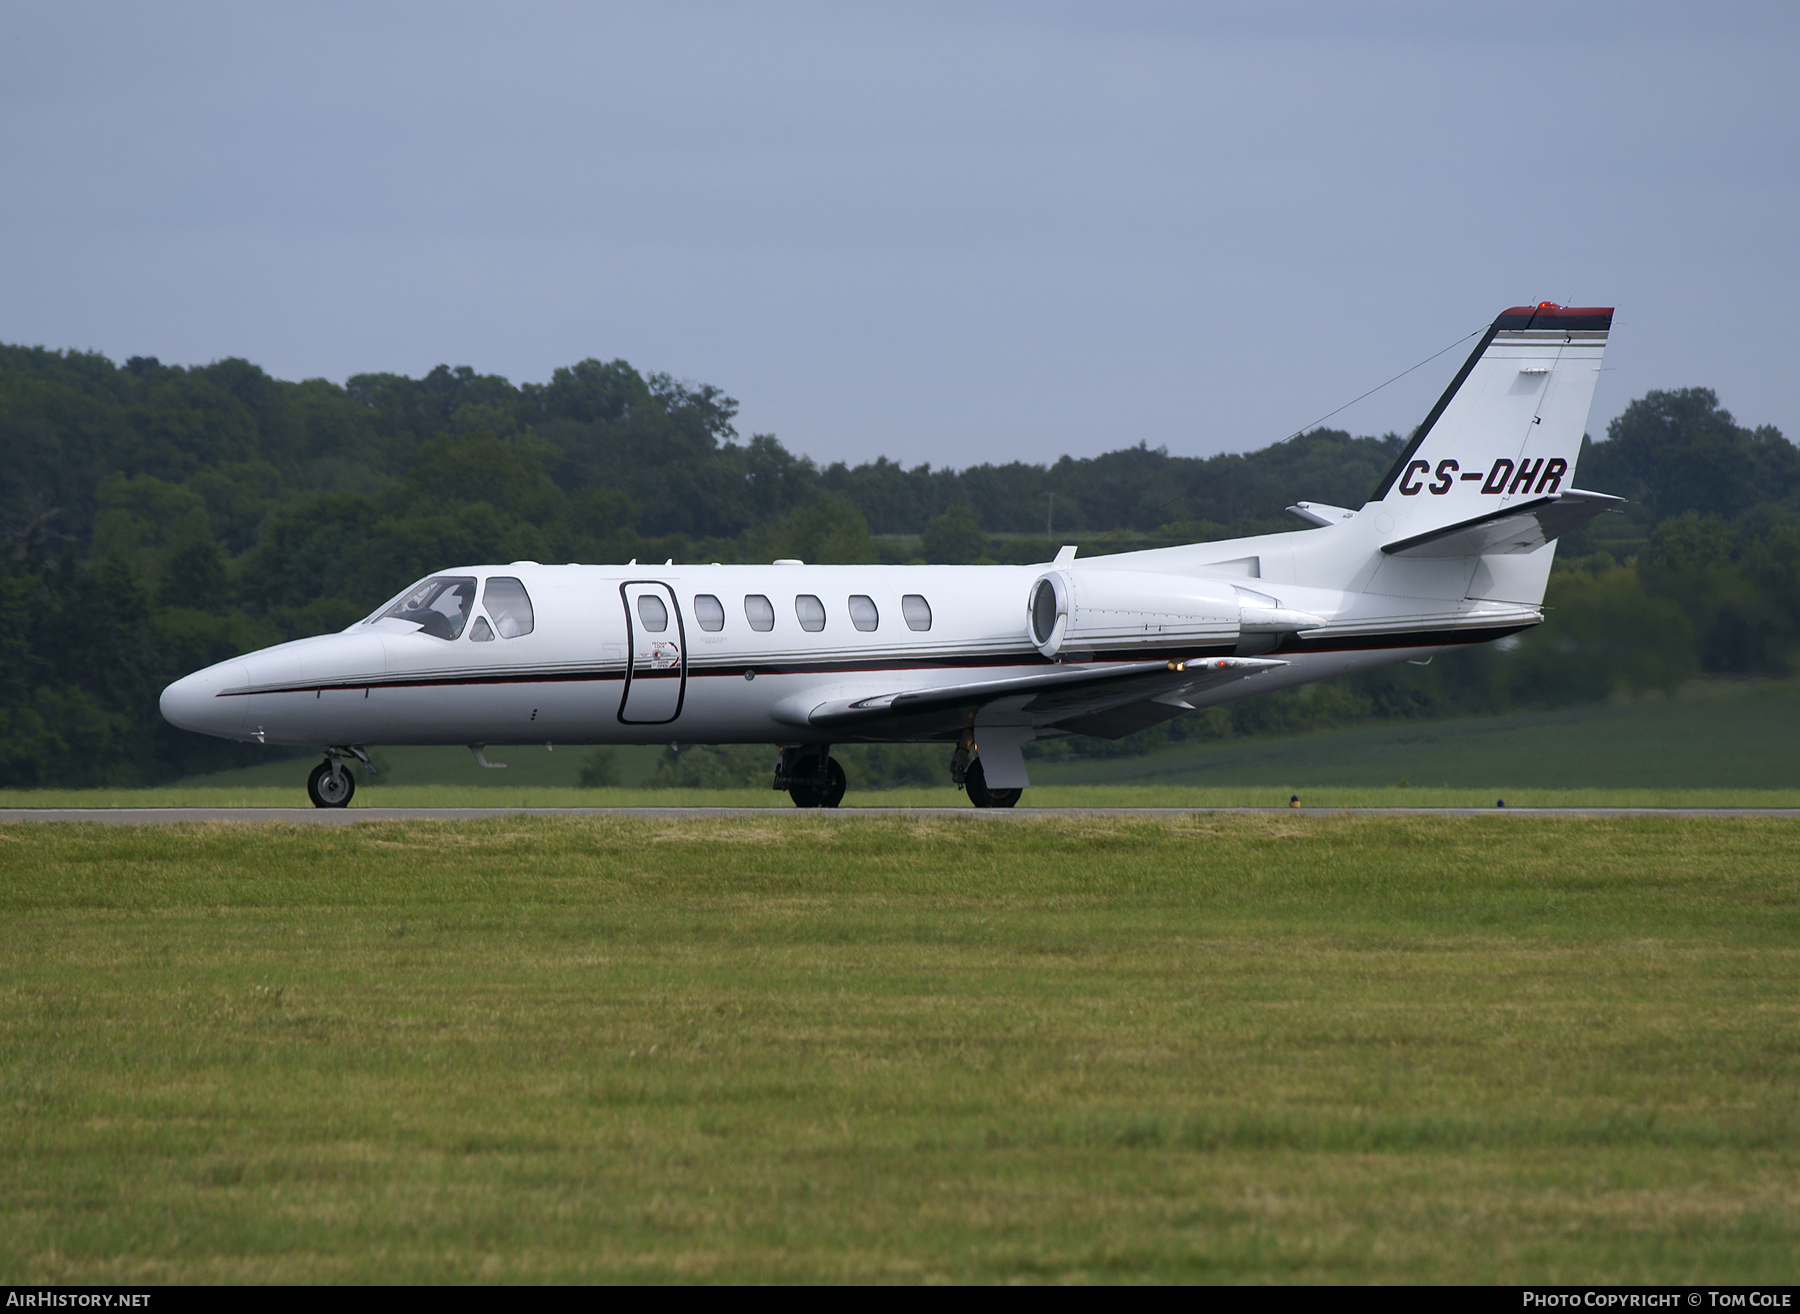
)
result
[(1048, 796), (1219, 1048)]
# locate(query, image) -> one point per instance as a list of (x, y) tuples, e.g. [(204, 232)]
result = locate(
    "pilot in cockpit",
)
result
[(440, 606)]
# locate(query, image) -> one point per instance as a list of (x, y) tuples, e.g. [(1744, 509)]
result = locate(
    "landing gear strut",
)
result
[(811, 776)]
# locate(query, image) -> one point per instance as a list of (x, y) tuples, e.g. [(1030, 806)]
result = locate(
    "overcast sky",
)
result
[(953, 233)]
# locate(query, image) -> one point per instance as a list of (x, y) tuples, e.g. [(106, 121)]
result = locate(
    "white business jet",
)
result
[(1453, 547)]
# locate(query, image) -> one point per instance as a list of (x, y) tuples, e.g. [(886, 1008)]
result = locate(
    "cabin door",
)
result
[(656, 683)]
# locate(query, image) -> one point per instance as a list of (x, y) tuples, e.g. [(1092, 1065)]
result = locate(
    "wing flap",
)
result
[(1043, 698)]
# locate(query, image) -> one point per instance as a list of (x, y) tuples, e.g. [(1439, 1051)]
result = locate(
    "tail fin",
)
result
[(1508, 427), (1479, 492)]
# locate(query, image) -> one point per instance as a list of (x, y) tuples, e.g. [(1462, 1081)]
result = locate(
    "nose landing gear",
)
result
[(330, 785)]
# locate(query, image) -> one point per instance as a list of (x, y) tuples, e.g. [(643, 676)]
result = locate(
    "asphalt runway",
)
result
[(351, 816)]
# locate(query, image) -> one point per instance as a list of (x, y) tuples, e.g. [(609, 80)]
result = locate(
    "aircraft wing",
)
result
[(1525, 527), (1062, 693)]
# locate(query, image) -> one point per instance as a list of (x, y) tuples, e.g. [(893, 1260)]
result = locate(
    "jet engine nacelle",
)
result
[(1070, 611), (1083, 611)]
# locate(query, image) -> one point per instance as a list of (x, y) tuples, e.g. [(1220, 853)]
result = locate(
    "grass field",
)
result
[(1049, 796), (799, 1047), (1718, 736)]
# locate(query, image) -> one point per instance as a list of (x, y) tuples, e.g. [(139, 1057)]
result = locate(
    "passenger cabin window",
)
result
[(917, 612), (862, 612), (481, 631), (439, 606), (709, 611), (510, 606), (759, 611), (811, 613), (652, 612)]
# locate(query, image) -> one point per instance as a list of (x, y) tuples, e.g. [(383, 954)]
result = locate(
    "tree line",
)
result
[(159, 518)]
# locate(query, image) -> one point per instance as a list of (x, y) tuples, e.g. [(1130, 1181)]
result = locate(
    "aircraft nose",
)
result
[(194, 702)]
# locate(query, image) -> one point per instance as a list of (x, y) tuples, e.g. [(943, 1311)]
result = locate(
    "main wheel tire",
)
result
[(835, 784), (818, 792), (983, 797), (805, 790), (326, 792)]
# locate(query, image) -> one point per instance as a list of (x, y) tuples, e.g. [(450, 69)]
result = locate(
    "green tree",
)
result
[(477, 467), (708, 766), (144, 521), (197, 576), (829, 532), (599, 770), (955, 538), (317, 548), (1679, 451), (1741, 624)]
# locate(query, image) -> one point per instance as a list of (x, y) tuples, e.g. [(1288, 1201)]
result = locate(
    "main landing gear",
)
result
[(983, 797), (966, 770), (330, 785), (811, 776)]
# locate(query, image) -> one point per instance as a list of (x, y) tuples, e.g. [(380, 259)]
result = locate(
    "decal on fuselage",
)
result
[(1504, 476)]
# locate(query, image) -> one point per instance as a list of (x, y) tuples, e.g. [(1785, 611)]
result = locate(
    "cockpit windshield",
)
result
[(439, 606)]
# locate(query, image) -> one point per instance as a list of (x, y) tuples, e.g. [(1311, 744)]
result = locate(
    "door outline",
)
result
[(631, 649)]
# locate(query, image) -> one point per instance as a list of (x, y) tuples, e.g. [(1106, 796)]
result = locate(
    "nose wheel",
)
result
[(330, 785)]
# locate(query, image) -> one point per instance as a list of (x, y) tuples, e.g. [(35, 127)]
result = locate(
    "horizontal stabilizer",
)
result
[(1525, 527), (1319, 513)]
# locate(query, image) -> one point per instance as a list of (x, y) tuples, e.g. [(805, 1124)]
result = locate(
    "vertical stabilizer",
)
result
[(1505, 433), (1510, 424)]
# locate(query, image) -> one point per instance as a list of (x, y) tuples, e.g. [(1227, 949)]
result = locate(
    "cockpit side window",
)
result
[(439, 606), (509, 604), (481, 631)]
